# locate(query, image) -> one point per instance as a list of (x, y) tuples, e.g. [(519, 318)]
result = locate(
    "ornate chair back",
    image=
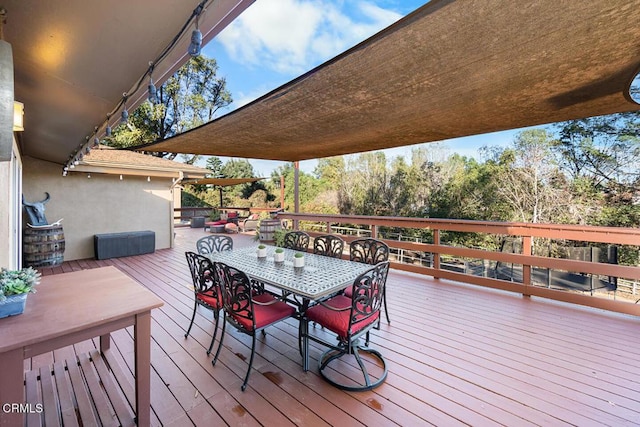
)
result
[(296, 240), (206, 289), (368, 294), (328, 245), (368, 251), (237, 296), (214, 243), (202, 274)]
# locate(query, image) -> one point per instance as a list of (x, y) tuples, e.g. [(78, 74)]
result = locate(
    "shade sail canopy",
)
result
[(222, 182), (449, 69)]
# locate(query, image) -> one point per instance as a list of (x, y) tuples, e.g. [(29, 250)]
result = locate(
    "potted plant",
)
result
[(262, 251), (278, 255), (15, 285), (298, 259)]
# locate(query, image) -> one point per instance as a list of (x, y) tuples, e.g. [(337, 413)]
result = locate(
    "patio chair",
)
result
[(351, 318), (251, 223), (296, 240), (206, 290), (328, 245), (211, 244), (369, 251), (247, 307)]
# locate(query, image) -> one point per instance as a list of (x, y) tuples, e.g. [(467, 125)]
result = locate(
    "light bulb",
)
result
[(120, 177), (196, 42), (153, 92), (148, 179)]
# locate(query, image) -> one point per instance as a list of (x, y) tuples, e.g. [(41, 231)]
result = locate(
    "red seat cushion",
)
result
[(348, 291), (208, 298), (338, 321), (232, 215), (265, 315)]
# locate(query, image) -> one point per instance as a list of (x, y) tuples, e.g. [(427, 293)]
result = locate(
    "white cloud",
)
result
[(293, 36)]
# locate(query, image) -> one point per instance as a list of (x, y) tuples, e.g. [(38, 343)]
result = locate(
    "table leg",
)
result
[(142, 336), (105, 342), (11, 387), (304, 325)]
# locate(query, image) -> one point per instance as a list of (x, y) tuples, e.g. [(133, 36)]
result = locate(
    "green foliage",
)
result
[(190, 98), (192, 200), (278, 237), (16, 282)]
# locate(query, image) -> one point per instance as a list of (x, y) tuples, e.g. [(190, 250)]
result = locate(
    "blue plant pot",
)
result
[(13, 305)]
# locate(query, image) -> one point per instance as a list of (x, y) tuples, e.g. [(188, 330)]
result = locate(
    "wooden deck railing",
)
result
[(526, 232), (186, 213)]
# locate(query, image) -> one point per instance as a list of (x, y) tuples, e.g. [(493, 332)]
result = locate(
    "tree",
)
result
[(605, 149), (214, 164), (190, 98), (602, 155)]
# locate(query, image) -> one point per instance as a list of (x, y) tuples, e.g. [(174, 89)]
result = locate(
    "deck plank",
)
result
[(67, 408)]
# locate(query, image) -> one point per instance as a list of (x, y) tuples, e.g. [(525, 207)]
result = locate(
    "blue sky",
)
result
[(275, 41)]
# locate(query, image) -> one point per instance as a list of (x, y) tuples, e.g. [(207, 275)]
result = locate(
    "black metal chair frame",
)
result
[(204, 282), (366, 302), (238, 296), (328, 245), (371, 251), (296, 240), (213, 243)]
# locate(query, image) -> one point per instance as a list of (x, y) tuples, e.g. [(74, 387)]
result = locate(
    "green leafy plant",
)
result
[(278, 237), (298, 255), (262, 247), (16, 282), (279, 250)]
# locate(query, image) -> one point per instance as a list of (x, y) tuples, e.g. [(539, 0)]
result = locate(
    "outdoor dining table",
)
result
[(320, 277)]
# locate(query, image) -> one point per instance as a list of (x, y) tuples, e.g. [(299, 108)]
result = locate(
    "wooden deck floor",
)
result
[(457, 355)]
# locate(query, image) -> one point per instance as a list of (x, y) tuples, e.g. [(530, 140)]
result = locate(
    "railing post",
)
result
[(526, 269), (374, 231), (328, 227), (436, 256)]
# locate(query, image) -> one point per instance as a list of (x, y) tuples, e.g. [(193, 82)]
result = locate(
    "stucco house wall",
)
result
[(100, 204)]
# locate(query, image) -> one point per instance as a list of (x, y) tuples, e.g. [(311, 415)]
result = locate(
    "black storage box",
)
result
[(113, 245)]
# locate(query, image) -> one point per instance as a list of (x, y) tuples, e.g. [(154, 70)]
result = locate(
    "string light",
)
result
[(107, 130), (153, 92), (196, 37), (124, 117), (120, 177), (195, 48)]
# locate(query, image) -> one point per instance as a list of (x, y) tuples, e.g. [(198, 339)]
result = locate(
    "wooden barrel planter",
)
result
[(268, 228), (42, 247)]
